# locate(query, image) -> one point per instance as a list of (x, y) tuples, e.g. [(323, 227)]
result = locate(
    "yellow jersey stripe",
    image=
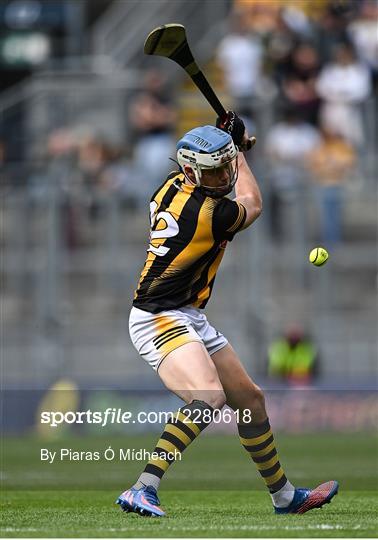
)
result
[(175, 209), (242, 212), (201, 242), (205, 293), (151, 256)]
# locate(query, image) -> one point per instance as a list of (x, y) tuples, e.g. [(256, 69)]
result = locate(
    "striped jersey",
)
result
[(188, 234)]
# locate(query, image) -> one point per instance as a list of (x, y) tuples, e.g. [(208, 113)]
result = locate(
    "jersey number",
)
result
[(171, 229)]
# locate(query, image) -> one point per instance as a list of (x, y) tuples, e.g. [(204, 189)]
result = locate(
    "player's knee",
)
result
[(214, 397), (256, 399), (251, 396), (257, 396), (214, 394), (217, 399)]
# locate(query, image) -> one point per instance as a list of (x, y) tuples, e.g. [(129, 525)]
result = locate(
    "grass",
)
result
[(213, 492)]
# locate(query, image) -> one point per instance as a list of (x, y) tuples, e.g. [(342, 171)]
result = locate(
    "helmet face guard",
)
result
[(212, 156), (219, 181)]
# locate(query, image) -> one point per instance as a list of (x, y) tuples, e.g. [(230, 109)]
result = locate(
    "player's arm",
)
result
[(230, 216), (247, 191)]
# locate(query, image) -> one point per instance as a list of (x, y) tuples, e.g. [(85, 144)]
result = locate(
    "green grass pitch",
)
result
[(214, 492)]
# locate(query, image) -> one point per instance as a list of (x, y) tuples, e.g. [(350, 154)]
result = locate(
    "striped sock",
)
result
[(259, 443), (178, 433)]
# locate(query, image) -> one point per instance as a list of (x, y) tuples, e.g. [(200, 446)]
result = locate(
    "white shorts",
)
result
[(156, 335)]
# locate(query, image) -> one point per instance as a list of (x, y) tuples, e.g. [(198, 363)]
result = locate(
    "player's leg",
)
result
[(244, 396), (255, 433), (189, 372)]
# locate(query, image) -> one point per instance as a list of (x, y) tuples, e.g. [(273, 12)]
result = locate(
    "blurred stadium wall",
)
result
[(74, 231)]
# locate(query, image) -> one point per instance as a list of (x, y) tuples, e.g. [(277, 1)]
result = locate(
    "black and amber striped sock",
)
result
[(178, 433), (259, 443)]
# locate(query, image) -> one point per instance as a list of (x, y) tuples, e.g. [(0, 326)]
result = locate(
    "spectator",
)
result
[(92, 161), (363, 31), (298, 86), (260, 16), (296, 18), (330, 164), (152, 117), (343, 85), (58, 181), (240, 55), (88, 169), (4, 180), (290, 140), (331, 28), (279, 47), (293, 357), (287, 145), (117, 177)]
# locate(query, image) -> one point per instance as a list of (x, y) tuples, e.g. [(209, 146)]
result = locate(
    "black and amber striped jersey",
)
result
[(188, 235)]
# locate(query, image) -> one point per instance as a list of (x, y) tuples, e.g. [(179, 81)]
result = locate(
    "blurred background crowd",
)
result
[(88, 124)]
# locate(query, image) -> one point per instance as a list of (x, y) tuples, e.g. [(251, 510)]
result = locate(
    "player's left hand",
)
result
[(247, 142), (234, 126)]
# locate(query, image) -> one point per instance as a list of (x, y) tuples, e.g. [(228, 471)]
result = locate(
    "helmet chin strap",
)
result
[(196, 175)]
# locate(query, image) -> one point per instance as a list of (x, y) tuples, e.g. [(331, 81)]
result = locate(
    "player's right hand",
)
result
[(234, 126)]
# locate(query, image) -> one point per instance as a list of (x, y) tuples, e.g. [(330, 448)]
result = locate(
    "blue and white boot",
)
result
[(306, 499), (144, 502)]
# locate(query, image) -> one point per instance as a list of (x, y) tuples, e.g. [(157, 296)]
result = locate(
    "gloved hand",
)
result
[(234, 126)]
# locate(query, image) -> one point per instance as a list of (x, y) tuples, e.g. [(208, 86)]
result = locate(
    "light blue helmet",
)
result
[(209, 151)]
